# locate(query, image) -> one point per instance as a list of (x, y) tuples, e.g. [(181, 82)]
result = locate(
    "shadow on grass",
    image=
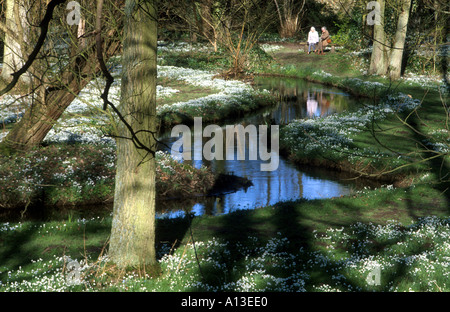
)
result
[(438, 167), (35, 240), (14, 250), (284, 220)]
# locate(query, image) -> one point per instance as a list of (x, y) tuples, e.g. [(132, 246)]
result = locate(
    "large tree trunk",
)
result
[(379, 59), (395, 65), (12, 52), (132, 241), (38, 120)]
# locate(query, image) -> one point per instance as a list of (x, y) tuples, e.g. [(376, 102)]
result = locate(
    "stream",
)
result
[(297, 99)]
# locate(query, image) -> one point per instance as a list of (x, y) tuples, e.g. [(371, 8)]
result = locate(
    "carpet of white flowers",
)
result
[(334, 133), (408, 258), (76, 126), (231, 96)]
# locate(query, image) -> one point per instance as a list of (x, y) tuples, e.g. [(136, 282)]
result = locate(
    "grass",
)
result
[(396, 142), (317, 245), (324, 245), (185, 92), (331, 62)]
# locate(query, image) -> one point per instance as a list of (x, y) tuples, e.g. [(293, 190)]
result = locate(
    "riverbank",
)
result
[(227, 99), (318, 245), (86, 145), (84, 174), (387, 140)]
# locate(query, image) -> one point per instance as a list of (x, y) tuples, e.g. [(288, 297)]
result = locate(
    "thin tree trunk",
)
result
[(395, 65), (279, 14), (132, 240), (379, 59)]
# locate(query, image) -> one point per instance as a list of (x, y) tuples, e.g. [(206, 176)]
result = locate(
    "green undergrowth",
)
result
[(82, 174), (317, 245)]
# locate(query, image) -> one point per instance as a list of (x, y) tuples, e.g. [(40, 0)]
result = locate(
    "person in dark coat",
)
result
[(323, 40)]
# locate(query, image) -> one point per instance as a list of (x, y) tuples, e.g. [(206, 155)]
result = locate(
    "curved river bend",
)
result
[(297, 99)]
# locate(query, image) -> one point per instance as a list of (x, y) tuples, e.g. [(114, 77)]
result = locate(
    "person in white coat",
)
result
[(313, 39)]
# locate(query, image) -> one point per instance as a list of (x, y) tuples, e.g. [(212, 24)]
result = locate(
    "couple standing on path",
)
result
[(313, 39)]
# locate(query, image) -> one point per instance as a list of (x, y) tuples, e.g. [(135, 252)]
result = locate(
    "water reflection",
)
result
[(297, 99), (302, 99)]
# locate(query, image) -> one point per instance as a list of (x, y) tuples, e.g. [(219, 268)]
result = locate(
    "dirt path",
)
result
[(292, 54)]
